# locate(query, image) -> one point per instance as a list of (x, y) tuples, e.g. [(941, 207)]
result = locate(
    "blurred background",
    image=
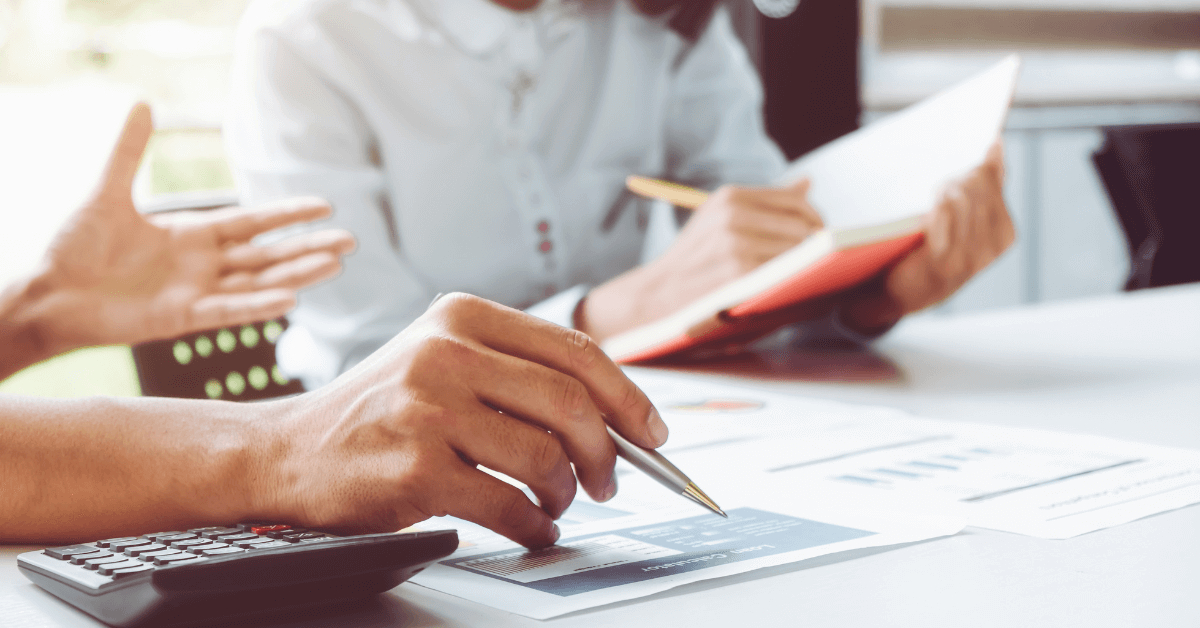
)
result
[(70, 68)]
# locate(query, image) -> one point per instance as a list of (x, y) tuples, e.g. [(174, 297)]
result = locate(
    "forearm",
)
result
[(622, 303), (95, 468), (22, 332)]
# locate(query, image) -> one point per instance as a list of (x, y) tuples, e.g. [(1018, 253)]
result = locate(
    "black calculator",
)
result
[(197, 576)]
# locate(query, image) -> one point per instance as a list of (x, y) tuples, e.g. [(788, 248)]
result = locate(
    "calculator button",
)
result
[(173, 560), (65, 553), (214, 533), (170, 536), (270, 545), (186, 543), (148, 556), (234, 538), (96, 562), (270, 528), (108, 568), (252, 543), (79, 559), (107, 542), (196, 549), (117, 574), (143, 549), (120, 546), (222, 551), (157, 536), (304, 536)]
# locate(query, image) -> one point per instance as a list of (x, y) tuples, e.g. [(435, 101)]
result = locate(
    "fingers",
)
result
[(773, 212), (122, 166), (292, 274), (568, 351), (242, 224), (519, 450), (223, 310), (485, 500), (560, 404), (252, 257)]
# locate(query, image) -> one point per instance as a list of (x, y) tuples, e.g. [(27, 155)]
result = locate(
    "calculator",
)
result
[(201, 575)]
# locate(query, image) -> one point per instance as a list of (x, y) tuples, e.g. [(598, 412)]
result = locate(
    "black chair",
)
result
[(234, 364), (1152, 176)]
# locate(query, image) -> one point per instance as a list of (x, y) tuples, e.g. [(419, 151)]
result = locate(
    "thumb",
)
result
[(122, 166)]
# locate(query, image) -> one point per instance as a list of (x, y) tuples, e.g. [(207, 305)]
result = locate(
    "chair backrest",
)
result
[(234, 364), (1152, 176)]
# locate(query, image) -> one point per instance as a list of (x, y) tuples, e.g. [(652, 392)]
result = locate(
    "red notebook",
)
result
[(872, 186), (825, 263)]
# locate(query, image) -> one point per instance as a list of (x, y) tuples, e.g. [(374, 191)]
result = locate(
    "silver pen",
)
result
[(662, 471)]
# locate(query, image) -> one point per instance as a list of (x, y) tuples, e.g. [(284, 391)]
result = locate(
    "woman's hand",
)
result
[(400, 438), (968, 230), (734, 232), (112, 275)]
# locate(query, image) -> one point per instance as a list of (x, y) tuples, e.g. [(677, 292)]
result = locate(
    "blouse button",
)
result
[(543, 226), (546, 246)]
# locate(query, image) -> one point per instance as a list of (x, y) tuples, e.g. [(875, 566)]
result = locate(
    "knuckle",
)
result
[(547, 456), (441, 349), (458, 303), (572, 399), (582, 351)]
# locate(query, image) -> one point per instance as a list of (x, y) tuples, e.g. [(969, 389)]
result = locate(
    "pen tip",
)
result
[(698, 495)]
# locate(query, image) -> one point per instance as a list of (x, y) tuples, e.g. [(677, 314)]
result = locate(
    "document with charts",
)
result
[(616, 559), (1032, 482)]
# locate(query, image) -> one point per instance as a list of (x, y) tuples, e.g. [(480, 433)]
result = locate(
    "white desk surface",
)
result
[(1126, 366)]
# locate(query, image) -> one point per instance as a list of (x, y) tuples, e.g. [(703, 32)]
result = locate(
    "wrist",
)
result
[(619, 304), (25, 326), (266, 487)]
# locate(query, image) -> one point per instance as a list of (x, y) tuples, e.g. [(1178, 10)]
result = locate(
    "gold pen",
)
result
[(673, 193)]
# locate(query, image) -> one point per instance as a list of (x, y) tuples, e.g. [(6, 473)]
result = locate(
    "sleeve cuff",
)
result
[(560, 308)]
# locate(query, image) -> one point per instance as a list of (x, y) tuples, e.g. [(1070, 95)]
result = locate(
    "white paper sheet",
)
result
[(1032, 482), (638, 555), (897, 167)]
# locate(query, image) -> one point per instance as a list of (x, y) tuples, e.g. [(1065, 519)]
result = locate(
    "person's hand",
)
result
[(400, 437), (113, 276), (735, 231), (968, 229)]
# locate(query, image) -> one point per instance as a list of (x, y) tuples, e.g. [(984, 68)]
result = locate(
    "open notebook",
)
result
[(871, 186)]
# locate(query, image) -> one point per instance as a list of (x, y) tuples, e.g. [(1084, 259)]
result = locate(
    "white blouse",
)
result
[(471, 148)]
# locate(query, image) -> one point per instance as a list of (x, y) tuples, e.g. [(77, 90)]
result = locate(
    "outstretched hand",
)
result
[(112, 275)]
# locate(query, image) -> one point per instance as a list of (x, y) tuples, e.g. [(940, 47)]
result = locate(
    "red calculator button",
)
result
[(265, 529)]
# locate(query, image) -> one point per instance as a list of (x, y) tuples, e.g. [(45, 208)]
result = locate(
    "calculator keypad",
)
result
[(129, 556)]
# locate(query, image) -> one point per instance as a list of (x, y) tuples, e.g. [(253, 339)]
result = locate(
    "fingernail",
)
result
[(610, 491), (557, 534), (658, 429)]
